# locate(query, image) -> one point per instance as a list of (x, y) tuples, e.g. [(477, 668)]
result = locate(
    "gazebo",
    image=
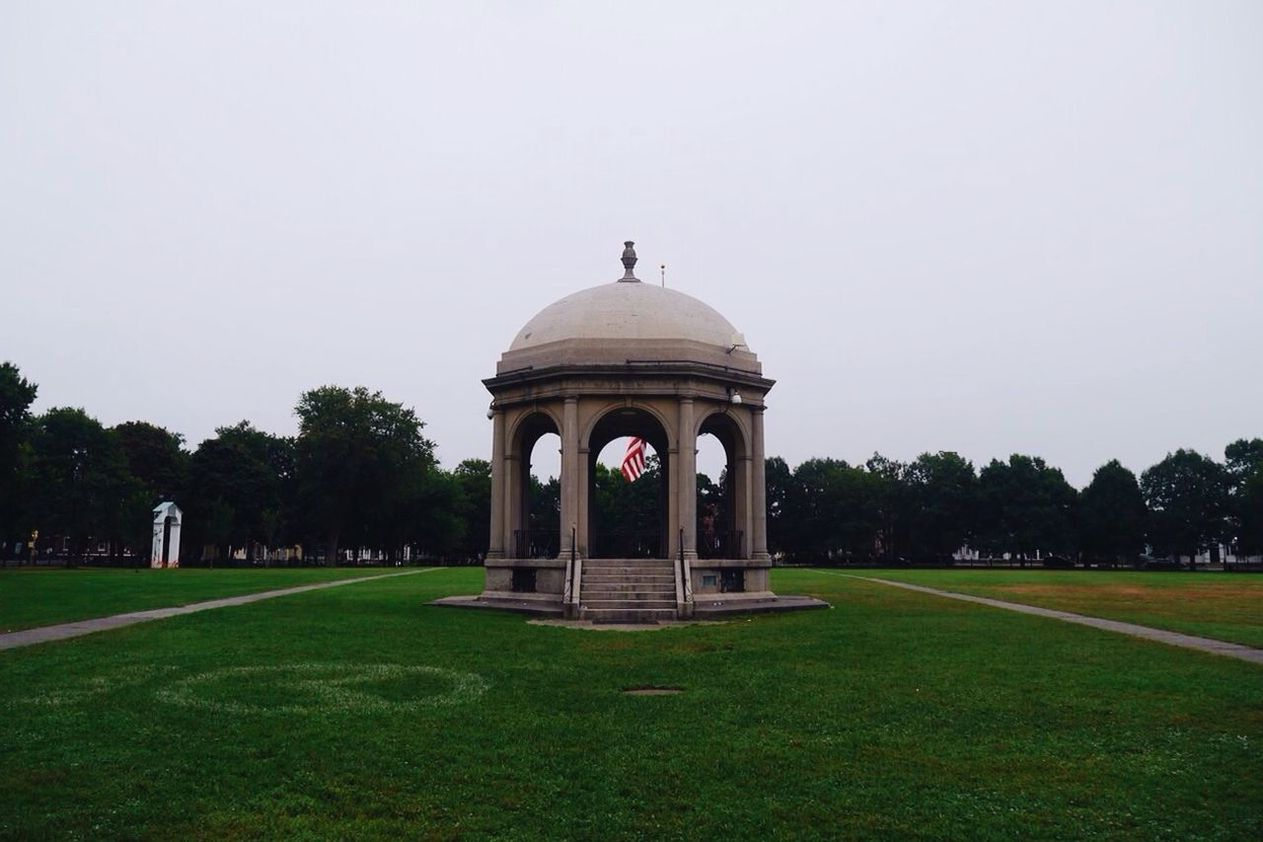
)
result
[(620, 359)]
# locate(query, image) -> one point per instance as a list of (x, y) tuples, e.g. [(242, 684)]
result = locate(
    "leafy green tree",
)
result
[(356, 455), (779, 480), (156, 457), (427, 510), (628, 515), (835, 512), (944, 490), (474, 478), (894, 506), (79, 478), (544, 505), (1243, 461), (712, 511), (238, 484), (1187, 495), (1112, 515), (16, 396), (1026, 507)]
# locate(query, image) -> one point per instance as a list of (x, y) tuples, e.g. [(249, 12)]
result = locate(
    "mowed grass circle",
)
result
[(306, 688)]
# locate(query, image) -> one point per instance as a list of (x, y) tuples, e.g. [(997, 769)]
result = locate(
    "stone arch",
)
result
[(724, 533), (528, 416), (601, 538), (525, 431), (603, 412)]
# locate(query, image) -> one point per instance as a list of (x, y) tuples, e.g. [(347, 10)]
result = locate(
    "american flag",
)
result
[(634, 459)]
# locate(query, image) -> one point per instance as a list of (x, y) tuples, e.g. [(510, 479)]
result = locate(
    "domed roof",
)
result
[(619, 311), (628, 321)]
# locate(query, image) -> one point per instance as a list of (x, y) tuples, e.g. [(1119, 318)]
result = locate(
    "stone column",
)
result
[(743, 476), (569, 473), (585, 498), (686, 481), (495, 545), (512, 494), (758, 543)]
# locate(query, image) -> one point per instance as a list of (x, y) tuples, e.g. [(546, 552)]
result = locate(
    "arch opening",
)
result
[(721, 503), (628, 518), (535, 504)]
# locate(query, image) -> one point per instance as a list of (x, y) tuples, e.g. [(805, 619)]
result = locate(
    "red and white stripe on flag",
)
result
[(634, 459)]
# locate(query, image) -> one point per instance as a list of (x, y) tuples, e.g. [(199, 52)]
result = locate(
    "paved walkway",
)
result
[(44, 634), (1188, 641)]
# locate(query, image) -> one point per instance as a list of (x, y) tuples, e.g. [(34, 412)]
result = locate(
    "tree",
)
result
[(628, 515), (711, 509), (16, 396), (355, 453), (79, 478), (944, 491), (1243, 461), (779, 481), (835, 512), (894, 504), (237, 487), (544, 512), (1026, 507), (473, 476), (1112, 515), (427, 510), (1187, 496), (155, 457)]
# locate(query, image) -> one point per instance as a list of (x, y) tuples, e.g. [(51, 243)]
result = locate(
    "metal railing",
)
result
[(576, 572), (721, 545), (627, 545), (683, 583), (535, 543)]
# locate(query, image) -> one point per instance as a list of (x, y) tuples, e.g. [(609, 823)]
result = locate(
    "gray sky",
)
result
[(982, 227)]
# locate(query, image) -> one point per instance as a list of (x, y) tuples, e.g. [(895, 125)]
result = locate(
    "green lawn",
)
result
[(363, 712), (1225, 606), (32, 597)]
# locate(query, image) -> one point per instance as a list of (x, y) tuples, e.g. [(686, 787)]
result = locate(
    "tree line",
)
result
[(1021, 509), (360, 474)]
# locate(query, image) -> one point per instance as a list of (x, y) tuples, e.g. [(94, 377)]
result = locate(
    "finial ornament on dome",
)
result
[(629, 262)]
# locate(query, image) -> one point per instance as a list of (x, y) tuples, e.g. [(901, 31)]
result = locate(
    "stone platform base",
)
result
[(536, 607), (708, 607), (715, 606)]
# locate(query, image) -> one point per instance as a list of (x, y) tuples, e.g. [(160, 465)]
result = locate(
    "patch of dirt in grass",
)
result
[(652, 691)]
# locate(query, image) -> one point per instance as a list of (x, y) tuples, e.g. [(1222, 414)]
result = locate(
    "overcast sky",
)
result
[(984, 227)]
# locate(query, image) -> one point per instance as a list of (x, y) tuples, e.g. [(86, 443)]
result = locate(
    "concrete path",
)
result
[(44, 634), (1188, 641)]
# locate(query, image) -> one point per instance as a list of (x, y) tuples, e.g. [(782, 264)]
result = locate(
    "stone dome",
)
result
[(628, 321), (617, 311)]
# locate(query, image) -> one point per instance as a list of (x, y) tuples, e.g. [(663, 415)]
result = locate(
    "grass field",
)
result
[(42, 596), (1225, 606), (363, 712)]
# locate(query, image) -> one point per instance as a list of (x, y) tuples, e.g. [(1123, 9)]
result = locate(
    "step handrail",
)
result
[(683, 580), (574, 572)]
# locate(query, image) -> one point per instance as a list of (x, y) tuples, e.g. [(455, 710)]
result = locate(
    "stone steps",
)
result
[(652, 580), (622, 590), (629, 590)]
